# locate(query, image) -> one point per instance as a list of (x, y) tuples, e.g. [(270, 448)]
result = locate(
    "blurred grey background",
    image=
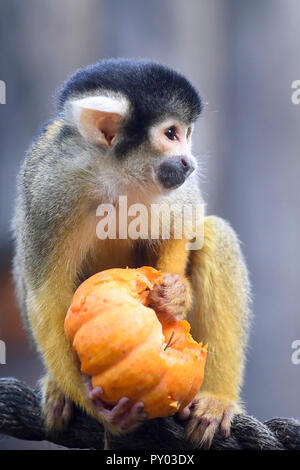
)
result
[(243, 57)]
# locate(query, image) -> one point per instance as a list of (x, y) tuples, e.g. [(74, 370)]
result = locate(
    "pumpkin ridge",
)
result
[(116, 365), (134, 349)]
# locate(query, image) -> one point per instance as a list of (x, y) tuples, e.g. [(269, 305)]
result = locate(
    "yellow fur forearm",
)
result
[(173, 259), (173, 256)]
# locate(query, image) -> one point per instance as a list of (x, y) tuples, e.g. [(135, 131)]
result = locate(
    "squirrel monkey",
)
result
[(124, 127)]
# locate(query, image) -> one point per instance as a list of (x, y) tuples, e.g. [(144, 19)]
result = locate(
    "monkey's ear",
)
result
[(99, 118)]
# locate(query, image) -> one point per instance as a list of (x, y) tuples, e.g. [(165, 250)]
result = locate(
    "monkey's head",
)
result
[(131, 123)]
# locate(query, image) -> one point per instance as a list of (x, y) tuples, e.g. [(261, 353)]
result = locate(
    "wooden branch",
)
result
[(20, 417)]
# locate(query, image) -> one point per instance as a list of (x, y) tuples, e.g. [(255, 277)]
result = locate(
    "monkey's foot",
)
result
[(120, 418), (57, 408), (170, 298), (209, 414)]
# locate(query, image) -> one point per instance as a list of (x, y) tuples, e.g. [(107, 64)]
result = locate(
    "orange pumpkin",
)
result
[(127, 349)]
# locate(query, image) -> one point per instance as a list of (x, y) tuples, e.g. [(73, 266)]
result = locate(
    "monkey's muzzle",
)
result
[(173, 172)]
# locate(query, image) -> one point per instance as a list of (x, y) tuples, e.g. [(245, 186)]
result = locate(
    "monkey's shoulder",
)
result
[(53, 139), (53, 131)]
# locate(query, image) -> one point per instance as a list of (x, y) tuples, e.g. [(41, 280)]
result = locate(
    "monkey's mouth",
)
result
[(173, 172)]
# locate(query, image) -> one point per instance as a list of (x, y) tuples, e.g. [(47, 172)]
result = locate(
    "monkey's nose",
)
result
[(173, 172)]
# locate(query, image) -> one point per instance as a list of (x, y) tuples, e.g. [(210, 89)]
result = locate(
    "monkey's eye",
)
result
[(171, 133)]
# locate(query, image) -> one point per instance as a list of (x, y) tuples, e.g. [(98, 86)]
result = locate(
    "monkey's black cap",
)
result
[(153, 90)]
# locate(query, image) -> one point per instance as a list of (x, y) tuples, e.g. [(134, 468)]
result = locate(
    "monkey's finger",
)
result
[(208, 435), (190, 428), (59, 412), (53, 413), (119, 410), (197, 425), (185, 413), (193, 403), (135, 416), (206, 432), (95, 395), (67, 412), (226, 422), (201, 433), (137, 409)]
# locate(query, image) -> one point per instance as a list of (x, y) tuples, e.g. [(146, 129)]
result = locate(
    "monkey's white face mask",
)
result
[(169, 161)]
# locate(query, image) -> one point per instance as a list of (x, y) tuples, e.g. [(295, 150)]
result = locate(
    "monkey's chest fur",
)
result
[(106, 254)]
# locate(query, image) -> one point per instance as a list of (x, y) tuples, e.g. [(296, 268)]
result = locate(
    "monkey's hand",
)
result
[(170, 298), (57, 408), (121, 418), (206, 415)]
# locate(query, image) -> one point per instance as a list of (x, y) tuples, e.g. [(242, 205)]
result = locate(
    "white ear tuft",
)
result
[(98, 118)]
